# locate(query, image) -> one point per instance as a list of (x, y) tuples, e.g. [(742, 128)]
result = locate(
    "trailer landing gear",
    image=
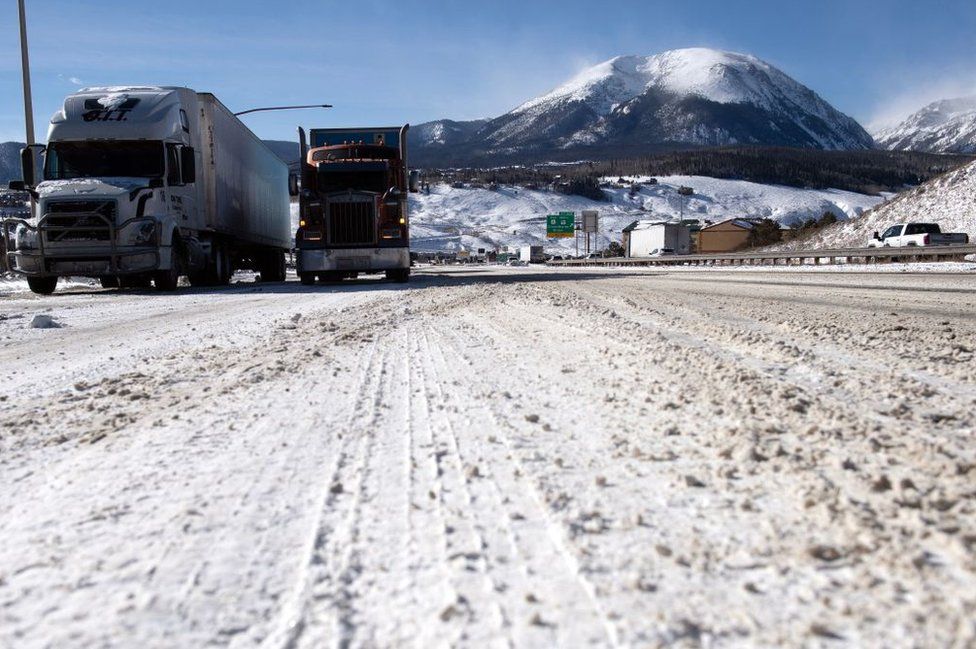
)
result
[(398, 275)]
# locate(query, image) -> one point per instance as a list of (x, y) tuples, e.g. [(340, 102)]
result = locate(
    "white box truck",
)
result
[(147, 184), (532, 255), (656, 239)]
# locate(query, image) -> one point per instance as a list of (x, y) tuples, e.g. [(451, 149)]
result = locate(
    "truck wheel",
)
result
[(42, 285), (307, 279), (168, 280), (109, 282), (399, 275)]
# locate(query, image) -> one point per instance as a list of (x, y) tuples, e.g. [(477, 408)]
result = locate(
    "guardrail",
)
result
[(787, 257)]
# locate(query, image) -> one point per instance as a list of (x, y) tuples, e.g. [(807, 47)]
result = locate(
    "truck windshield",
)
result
[(67, 160)]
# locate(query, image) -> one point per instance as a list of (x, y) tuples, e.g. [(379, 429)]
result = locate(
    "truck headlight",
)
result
[(142, 233), (25, 238)]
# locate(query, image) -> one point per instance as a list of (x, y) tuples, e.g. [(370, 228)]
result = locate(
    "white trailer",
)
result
[(146, 184), (532, 255), (655, 239)]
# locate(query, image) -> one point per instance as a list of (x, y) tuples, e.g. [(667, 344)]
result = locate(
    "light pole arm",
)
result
[(257, 110)]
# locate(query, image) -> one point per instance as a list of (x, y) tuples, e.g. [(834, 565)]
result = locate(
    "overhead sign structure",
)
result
[(561, 226), (591, 221)]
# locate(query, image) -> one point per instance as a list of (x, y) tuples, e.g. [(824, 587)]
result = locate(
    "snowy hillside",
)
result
[(692, 96), (947, 126), (450, 219), (949, 200)]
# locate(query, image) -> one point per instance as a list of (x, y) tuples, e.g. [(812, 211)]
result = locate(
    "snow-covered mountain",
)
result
[(947, 126), (949, 200), (695, 96)]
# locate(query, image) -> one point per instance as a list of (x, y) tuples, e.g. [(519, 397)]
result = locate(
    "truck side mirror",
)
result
[(293, 184), (188, 166), (28, 163), (17, 186), (876, 235)]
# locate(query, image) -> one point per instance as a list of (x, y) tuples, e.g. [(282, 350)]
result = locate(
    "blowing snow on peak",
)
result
[(685, 97), (947, 126)]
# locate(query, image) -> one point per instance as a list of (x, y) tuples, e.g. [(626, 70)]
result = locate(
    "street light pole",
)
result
[(257, 110), (25, 65)]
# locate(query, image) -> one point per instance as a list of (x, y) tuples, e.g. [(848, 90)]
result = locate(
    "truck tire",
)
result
[(399, 275), (168, 280), (217, 271), (42, 285), (109, 282), (307, 279)]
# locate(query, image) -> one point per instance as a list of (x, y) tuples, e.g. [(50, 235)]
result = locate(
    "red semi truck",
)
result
[(353, 204)]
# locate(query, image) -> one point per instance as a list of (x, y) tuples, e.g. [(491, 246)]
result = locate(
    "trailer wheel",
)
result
[(307, 279), (399, 275), (110, 281), (42, 285)]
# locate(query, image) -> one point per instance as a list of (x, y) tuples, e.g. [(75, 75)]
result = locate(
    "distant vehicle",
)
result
[(648, 238), (532, 255), (593, 255), (685, 191), (556, 258), (515, 261), (661, 252), (903, 235), (147, 184), (353, 204)]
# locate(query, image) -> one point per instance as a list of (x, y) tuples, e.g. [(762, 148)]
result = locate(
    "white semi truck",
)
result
[(147, 184), (657, 239)]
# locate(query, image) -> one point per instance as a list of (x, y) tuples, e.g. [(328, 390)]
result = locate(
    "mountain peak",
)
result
[(945, 126), (686, 97)]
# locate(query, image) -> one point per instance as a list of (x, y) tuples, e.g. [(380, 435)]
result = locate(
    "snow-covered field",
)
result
[(492, 457), (449, 219)]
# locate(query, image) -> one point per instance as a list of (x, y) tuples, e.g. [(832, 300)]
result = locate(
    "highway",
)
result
[(493, 457)]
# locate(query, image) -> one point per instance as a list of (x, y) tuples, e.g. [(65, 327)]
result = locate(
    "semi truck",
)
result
[(353, 204), (532, 255), (656, 239), (146, 184)]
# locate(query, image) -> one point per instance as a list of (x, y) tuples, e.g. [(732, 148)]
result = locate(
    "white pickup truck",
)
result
[(916, 234)]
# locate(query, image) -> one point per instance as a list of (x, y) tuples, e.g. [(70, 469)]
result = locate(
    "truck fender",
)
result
[(167, 229)]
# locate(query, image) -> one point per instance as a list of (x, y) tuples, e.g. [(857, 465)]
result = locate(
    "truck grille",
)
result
[(79, 221), (352, 222)]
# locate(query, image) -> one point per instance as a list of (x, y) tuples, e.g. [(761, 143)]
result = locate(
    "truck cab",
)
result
[(353, 204), (116, 181)]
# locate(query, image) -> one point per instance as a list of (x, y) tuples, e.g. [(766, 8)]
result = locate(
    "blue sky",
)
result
[(392, 62)]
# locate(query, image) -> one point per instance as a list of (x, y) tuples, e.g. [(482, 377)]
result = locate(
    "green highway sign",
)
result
[(561, 226)]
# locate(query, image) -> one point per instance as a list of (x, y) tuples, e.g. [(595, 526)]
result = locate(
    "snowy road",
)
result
[(524, 457)]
